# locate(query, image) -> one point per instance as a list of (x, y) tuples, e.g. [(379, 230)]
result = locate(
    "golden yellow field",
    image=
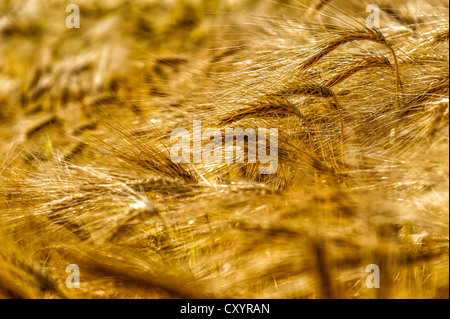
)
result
[(89, 186)]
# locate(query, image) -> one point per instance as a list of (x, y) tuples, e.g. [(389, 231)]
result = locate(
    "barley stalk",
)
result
[(351, 36)]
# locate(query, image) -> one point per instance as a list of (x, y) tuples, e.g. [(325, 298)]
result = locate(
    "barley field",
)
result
[(88, 183)]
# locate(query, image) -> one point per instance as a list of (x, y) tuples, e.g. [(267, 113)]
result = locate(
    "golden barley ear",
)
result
[(373, 35)]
